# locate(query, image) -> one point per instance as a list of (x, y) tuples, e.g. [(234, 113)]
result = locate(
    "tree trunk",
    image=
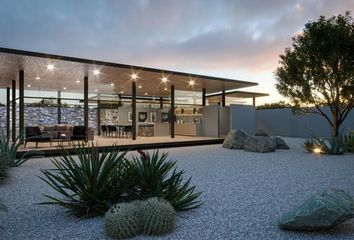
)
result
[(335, 129)]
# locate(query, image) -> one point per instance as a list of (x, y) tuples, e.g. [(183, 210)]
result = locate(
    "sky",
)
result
[(238, 39)]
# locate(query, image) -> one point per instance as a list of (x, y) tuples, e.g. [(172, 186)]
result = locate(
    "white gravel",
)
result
[(244, 194)]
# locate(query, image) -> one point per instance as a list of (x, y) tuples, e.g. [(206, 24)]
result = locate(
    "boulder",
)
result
[(259, 144), (261, 132), (322, 211), (235, 139), (280, 143)]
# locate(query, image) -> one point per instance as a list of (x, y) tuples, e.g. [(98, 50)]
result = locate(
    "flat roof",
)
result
[(239, 94), (68, 73)]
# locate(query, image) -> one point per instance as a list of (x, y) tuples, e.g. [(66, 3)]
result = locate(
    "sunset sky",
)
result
[(234, 39)]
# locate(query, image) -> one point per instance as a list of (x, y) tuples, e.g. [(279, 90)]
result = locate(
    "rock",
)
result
[(261, 132), (235, 139), (259, 144), (280, 143), (322, 211)]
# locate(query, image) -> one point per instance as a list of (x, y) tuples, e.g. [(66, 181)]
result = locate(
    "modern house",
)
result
[(114, 100)]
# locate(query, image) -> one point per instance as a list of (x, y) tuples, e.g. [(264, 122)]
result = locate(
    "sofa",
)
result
[(59, 130), (55, 131)]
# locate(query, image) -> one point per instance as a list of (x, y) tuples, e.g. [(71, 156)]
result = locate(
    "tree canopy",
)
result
[(318, 70)]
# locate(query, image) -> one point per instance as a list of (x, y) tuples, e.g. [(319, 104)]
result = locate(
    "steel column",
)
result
[(133, 110), (21, 103), (8, 113), (223, 98), (59, 107), (161, 102), (98, 114), (13, 110), (86, 102), (172, 111), (203, 97)]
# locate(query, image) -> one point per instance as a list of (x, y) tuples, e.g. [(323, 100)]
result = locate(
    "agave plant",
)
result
[(3, 167), (310, 145), (156, 176), (87, 186), (3, 207), (9, 151), (331, 146)]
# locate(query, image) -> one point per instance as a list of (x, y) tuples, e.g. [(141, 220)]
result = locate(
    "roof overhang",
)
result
[(69, 73), (239, 94)]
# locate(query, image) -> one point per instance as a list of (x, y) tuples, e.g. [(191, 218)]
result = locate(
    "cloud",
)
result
[(219, 36)]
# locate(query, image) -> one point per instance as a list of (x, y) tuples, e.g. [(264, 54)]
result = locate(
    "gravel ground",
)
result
[(244, 195)]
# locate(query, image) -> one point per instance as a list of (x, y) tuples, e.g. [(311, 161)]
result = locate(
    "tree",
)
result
[(318, 70)]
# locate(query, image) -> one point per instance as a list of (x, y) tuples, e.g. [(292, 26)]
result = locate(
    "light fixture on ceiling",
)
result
[(121, 92), (96, 90), (134, 76), (112, 84), (191, 82), (64, 88), (165, 89), (29, 85), (50, 66), (164, 79), (140, 86), (145, 93), (96, 72), (38, 78), (78, 81)]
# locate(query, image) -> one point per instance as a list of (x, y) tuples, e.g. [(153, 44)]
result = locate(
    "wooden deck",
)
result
[(127, 144)]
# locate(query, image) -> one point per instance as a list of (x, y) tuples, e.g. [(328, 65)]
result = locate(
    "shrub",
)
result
[(121, 221), (90, 185), (276, 105), (155, 176), (348, 140), (9, 150), (157, 216)]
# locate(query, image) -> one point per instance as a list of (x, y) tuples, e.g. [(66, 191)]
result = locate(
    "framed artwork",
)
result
[(142, 116), (165, 117), (130, 116), (152, 117)]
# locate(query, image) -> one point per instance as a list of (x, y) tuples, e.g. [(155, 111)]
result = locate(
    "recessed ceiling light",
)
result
[(140, 86), (50, 66), (64, 88), (134, 76), (96, 90), (112, 84), (96, 72), (146, 93), (29, 85), (165, 89), (121, 92), (37, 78), (191, 82), (164, 79), (78, 81)]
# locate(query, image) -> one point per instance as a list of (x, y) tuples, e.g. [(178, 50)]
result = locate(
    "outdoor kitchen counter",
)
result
[(188, 129)]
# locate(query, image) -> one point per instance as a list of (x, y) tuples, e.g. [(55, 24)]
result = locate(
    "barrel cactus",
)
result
[(121, 221), (157, 216)]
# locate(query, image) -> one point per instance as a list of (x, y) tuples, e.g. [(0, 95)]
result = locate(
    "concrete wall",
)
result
[(224, 120), (283, 122), (210, 121), (243, 117)]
